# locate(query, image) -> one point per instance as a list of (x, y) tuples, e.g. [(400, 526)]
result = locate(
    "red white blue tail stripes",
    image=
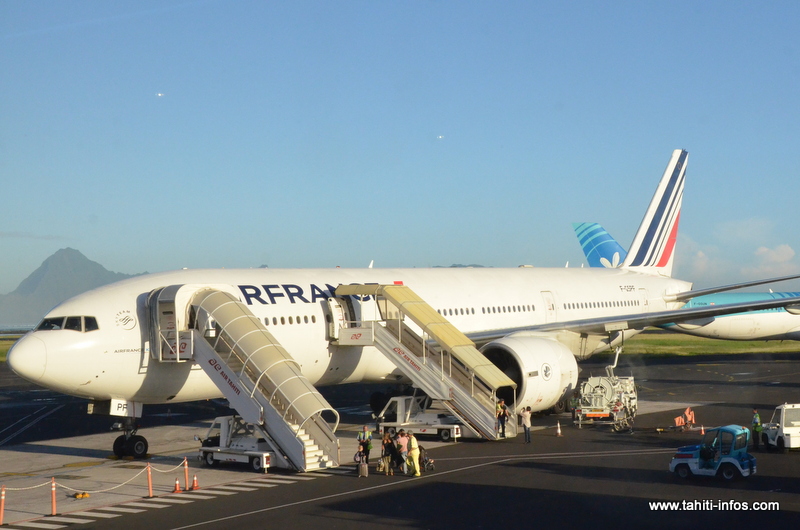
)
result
[(652, 248)]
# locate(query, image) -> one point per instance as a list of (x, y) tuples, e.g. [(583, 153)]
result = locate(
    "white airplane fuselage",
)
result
[(113, 362)]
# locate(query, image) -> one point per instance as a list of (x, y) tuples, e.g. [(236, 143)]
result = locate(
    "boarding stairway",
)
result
[(441, 360), (254, 372)]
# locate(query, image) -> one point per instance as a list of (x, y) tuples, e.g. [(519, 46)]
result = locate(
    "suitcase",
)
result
[(363, 470)]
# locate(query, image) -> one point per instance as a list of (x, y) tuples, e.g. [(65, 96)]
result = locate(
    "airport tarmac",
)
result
[(586, 476)]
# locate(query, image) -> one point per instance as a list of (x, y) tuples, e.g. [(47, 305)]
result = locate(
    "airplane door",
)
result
[(643, 303), (338, 317), (550, 314)]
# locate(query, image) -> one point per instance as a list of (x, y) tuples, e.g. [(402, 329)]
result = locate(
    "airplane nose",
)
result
[(28, 358)]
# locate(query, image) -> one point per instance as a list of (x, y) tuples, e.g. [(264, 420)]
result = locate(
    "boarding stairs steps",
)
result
[(445, 365), (258, 377)]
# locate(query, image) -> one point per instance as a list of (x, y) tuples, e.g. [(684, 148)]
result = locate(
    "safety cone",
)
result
[(177, 486), (195, 486), (558, 429), (702, 430)]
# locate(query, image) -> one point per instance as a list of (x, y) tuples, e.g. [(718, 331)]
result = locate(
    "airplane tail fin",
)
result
[(652, 248), (600, 249)]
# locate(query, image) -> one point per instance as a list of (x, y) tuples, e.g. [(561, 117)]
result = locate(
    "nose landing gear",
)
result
[(130, 443)]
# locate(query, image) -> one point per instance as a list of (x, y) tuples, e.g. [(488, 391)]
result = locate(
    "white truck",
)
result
[(231, 439), (783, 430), (409, 412)]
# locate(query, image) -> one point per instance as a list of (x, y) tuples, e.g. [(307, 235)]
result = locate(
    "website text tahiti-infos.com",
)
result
[(708, 505)]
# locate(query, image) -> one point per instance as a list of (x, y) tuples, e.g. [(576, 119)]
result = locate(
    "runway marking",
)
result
[(199, 496), (101, 515), (260, 485), (69, 520), (234, 488), (173, 500), (120, 509), (272, 481), (214, 491), (423, 477), (40, 525), (147, 505)]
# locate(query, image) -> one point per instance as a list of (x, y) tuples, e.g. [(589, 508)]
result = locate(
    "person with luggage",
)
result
[(365, 438), (502, 416), (361, 463)]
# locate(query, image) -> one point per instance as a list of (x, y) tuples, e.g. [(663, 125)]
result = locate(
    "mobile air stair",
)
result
[(254, 372), (441, 360)]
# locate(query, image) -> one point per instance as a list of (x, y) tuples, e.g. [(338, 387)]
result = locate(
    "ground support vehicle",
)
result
[(722, 453), (231, 439), (607, 400), (411, 413), (783, 430)]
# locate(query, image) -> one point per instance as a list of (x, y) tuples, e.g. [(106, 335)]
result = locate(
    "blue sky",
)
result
[(158, 135)]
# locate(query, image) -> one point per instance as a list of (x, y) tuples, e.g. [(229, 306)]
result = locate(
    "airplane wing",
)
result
[(602, 326), (688, 295)]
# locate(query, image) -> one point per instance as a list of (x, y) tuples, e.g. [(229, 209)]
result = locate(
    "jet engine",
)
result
[(544, 369)]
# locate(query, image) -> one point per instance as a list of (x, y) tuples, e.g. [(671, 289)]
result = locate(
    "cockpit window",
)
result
[(71, 323), (51, 323)]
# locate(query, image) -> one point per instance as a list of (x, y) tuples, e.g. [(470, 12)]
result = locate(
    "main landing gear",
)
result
[(130, 443)]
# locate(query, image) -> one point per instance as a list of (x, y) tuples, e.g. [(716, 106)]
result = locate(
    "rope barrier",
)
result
[(53, 485)]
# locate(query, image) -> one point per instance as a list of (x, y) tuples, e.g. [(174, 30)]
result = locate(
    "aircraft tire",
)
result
[(136, 446), (119, 446)]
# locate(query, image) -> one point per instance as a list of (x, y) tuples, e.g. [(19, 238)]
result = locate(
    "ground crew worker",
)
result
[(574, 403), (756, 428), (365, 438), (502, 416)]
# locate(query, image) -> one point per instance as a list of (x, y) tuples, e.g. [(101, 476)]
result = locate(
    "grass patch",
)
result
[(5, 345), (687, 345)]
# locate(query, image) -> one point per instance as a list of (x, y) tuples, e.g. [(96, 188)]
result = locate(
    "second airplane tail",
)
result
[(652, 248)]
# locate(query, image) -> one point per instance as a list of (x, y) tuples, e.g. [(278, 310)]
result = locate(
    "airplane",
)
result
[(778, 323), (266, 338)]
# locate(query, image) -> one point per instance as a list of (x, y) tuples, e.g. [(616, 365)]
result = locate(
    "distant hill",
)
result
[(63, 275)]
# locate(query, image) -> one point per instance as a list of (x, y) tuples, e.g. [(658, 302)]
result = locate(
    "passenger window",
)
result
[(90, 324), (313, 319)]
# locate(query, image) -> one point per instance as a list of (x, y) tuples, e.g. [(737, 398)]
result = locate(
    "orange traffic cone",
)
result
[(702, 430), (558, 429), (194, 484), (177, 486)]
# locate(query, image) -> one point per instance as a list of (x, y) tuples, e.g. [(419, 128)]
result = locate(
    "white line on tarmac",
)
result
[(31, 424), (423, 477)]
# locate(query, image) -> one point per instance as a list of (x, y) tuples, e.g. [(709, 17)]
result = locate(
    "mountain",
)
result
[(63, 275)]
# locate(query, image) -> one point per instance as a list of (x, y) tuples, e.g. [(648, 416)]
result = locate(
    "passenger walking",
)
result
[(402, 448), (387, 454), (526, 423), (502, 416), (756, 429), (365, 439), (413, 453)]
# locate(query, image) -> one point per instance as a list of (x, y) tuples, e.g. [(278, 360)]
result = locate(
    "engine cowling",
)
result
[(544, 369)]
